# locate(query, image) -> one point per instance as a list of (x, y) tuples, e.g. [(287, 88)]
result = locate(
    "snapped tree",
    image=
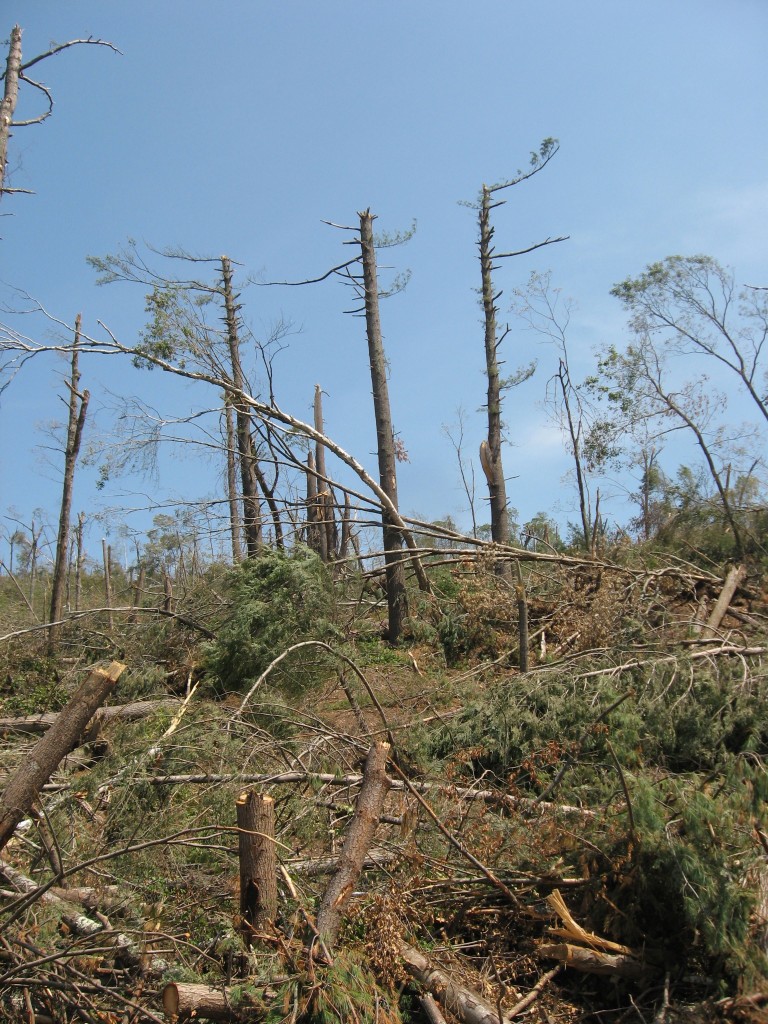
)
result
[(15, 74), (490, 451)]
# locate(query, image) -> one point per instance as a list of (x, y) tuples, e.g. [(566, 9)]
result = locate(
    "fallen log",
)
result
[(327, 865), (124, 947), (593, 961), (733, 581), (522, 805), (467, 1005), (184, 1000), (63, 736), (38, 724)]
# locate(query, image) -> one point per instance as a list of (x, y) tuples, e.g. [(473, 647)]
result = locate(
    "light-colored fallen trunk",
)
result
[(467, 1005), (200, 1002), (123, 946), (360, 832), (733, 581), (522, 805), (586, 951), (63, 736), (593, 961), (38, 724), (327, 865)]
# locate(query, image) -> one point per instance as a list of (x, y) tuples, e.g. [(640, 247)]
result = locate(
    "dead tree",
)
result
[(490, 455), (235, 525), (385, 436), (13, 76), (326, 505), (78, 405), (245, 449)]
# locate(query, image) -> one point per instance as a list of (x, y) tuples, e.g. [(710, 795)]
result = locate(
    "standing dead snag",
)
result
[(258, 864), (359, 838), (490, 452), (78, 405), (385, 437), (13, 75), (25, 784)]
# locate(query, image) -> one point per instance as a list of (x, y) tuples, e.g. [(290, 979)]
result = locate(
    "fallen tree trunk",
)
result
[(360, 834), (185, 1000), (467, 1005), (63, 736), (733, 581), (593, 961), (520, 804), (38, 724), (327, 865), (78, 923)]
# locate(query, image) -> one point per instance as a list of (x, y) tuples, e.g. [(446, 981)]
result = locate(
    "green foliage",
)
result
[(684, 885), (348, 991), (32, 686), (278, 600), (680, 717)]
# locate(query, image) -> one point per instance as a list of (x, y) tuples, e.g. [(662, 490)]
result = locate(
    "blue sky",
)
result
[(238, 127)]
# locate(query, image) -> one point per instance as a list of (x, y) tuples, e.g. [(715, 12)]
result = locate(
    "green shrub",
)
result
[(278, 599)]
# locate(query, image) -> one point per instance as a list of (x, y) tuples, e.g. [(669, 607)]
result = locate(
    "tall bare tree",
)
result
[(14, 75), (385, 435), (78, 406), (248, 478), (490, 453)]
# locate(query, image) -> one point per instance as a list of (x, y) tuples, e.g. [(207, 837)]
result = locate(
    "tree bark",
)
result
[(78, 406), (251, 504), (10, 99), (733, 581), (106, 553), (522, 618), (325, 494), (26, 783), (467, 1005), (234, 512), (185, 1000), (360, 834), (38, 724), (315, 538), (258, 864), (491, 457), (385, 438), (79, 557)]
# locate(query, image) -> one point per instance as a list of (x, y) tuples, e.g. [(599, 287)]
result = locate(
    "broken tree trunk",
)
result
[(258, 864), (185, 1001), (125, 948), (359, 837), (385, 437), (78, 405), (41, 762), (122, 712), (593, 961), (733, 581), (467, 1005)]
